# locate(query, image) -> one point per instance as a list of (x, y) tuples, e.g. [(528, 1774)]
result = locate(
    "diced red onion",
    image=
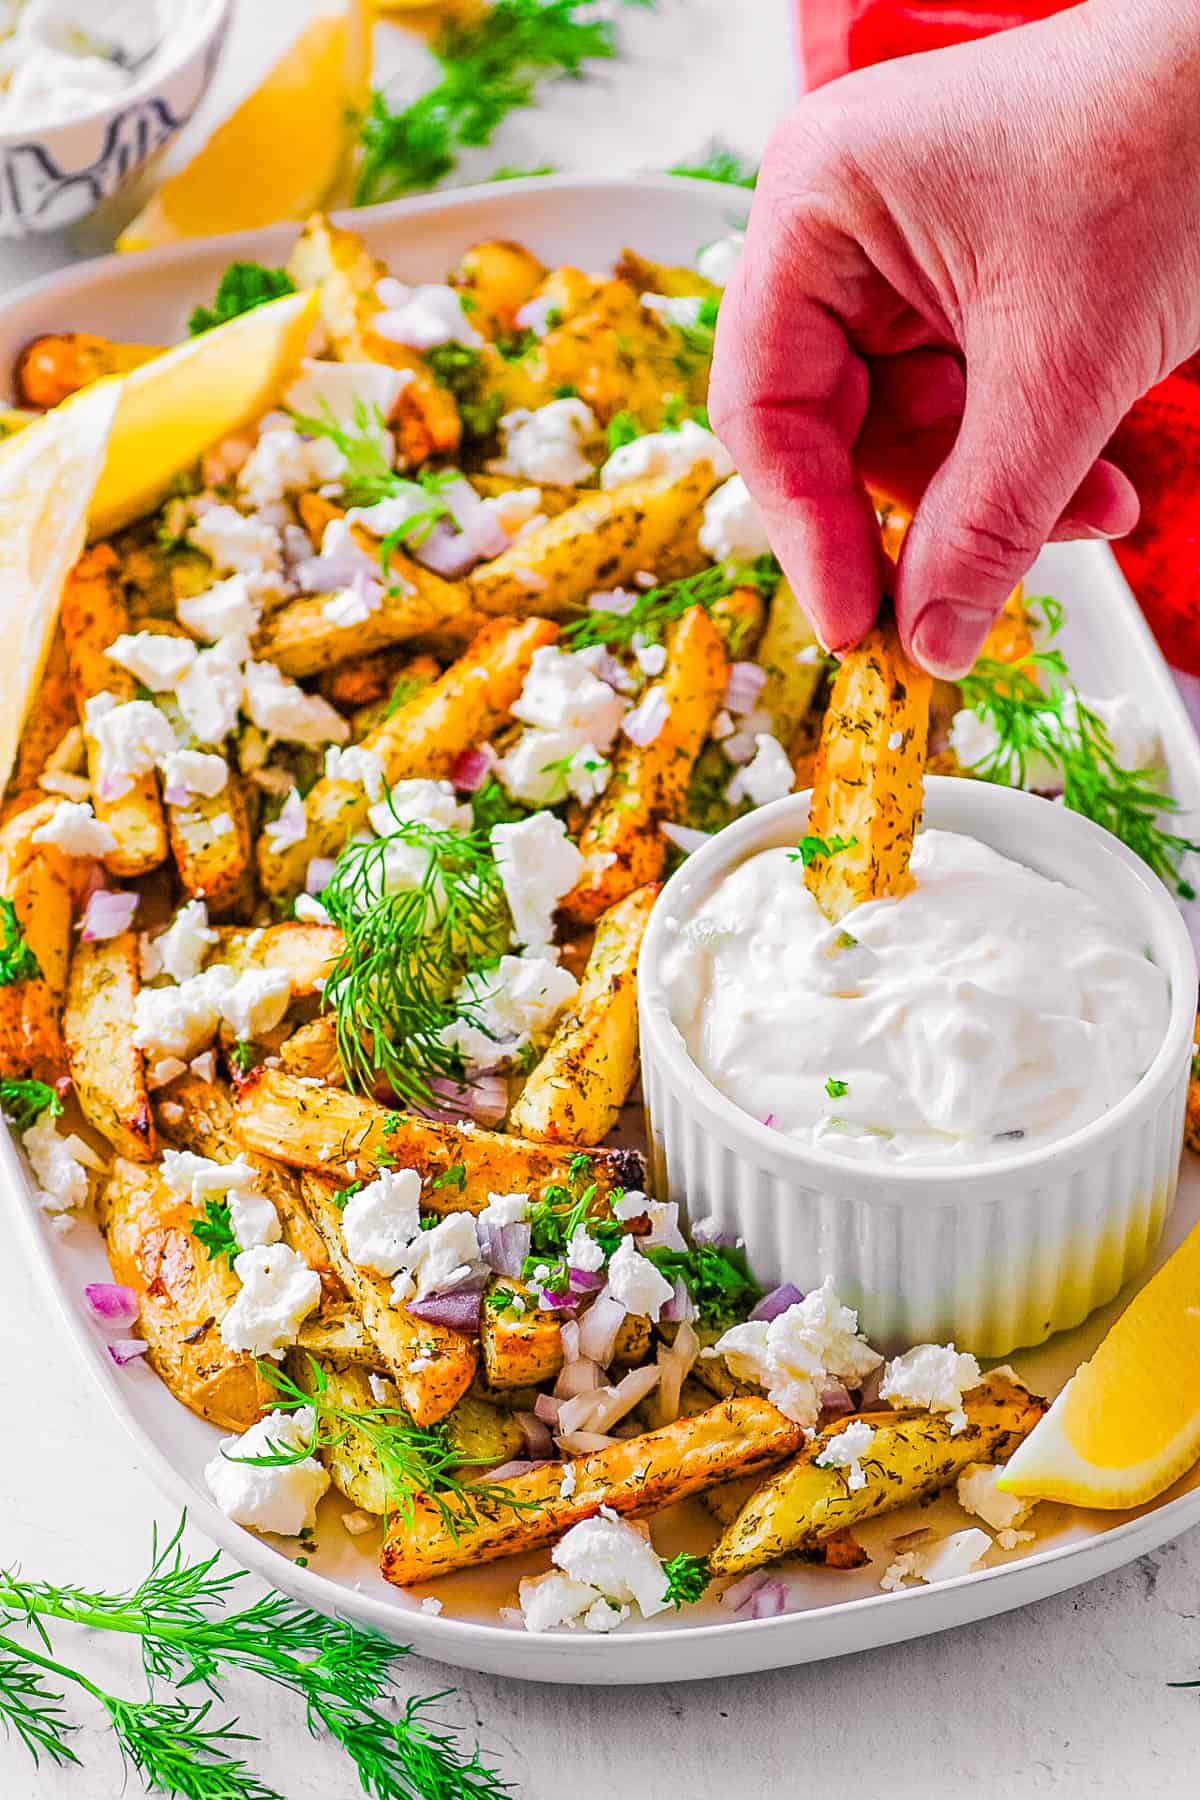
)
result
[(94, 881), (617, 600), (602, 1409), (473, 768), (330, 574), (674, 1365), (599, 1327), (578, 1376), (738, 1592), (111, 1303), (769, 1601), (484, 1099), (610, 670), (777, 1301), (583, 1443), (297, 545), (319, 875), (835, 1399), (476, 535), (679, 1306), (550, 1302), (546, 1408), (63, 1085), (684, 837), (107, 915), (509, 1470), (504, 1247), (538, 1442), (584, 1281), (126, 1350), (645, 721), (459, 1310), (744, 686)]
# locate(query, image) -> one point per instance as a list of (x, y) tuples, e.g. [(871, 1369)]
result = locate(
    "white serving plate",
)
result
[(587, 220)]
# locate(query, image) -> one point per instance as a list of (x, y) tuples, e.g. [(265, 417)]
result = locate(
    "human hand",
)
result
[(961, 270)]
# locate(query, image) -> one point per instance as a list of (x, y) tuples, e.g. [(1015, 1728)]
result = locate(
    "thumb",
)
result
[(1020, 458)]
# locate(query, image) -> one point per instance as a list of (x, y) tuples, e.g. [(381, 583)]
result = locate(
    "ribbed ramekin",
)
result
[(993, 1255)]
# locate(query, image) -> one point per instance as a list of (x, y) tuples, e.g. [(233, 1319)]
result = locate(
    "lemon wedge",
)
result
[(175, 408), (48, 473), (1127, 1424), (280, 152)]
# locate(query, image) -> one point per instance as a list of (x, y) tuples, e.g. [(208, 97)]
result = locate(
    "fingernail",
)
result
[(947, 637)]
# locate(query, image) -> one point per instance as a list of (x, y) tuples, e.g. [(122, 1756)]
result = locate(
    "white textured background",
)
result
[(1069, 1698)]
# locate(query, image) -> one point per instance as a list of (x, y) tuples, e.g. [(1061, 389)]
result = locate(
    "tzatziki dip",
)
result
[(62, 59), (987, 1012)]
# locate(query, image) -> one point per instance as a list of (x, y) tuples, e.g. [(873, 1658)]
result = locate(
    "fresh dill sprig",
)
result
[(243, 286), (412, 1459), (190, 1638), (719, 164), (1036, 711), (489, 68), (17, 961), (405, 951), (647, 619), (24, 1102), (687, 1577), (215, 1231), (369, 475)]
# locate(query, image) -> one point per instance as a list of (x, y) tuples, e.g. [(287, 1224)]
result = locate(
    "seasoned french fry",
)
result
[(636, 1477), (326, 1131), (311, 1051), (56, 365), (868, 776), (306, 953), (352, 1464), (431, 1366), (674, 279), (522, 1349), (107, 1068), (50, 716), (213, 848), (499, 277), (40, 884), (911, 1455), (794, 662), (93, 617), (183, 1294), (424, 737), (619, 357), (621, 843), (578, 1088), (598, 543)]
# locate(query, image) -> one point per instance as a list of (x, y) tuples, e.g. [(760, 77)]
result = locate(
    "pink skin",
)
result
[(961, 271)]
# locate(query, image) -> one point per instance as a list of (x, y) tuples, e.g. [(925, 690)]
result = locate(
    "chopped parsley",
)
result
[(464, 372), (491, 805), (512, 172), (810, 847), (243, 1056), (347, 1193), (24, 1102), (505, 1300), (17, 961), (215, 1231), (687, 1577), (454, 1177), (717, 1278), (835, 1088), (243, 286), (623, 429)]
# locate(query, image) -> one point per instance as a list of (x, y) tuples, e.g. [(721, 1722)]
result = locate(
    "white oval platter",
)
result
[(587, 220)]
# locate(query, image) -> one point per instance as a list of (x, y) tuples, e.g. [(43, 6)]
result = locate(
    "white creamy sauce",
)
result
[(985, 1013), (62, 59)]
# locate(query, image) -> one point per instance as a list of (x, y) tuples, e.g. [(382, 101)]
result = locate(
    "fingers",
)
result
[(1105, 505)]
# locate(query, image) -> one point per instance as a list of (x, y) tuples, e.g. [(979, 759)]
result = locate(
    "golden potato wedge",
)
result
[(344, 1137), (620, 357), (213, 848), (912, 1454), (636, 1477), (519, 1350), (621, 843), (51, 715), (337, 1331), (302, 640), (431, 1366), (496, 278), (424, 737), (578, 1088), (183, 1294), (305, 953), (42, 886), (352, 1464), (597, 544), (58, 363), (93, 617), (794, 661), (648, 277), (483, 1435), (312, 1051), (868, 776), (107, 1068)]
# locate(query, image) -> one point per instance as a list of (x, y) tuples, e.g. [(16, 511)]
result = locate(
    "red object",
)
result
[(1158, 444)]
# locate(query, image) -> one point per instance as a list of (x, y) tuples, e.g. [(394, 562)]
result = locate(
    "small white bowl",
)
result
[(990, 1255), (54, 175)]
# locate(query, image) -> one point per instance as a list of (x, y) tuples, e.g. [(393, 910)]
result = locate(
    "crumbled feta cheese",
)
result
[(180, 1021), (518, 511), (356, 765), (210, 694), (283, 710), (733, 530), (505, 1008), (236, 545), (845, 1451), (943, 1560), (538, 865), (1005, 1513), (934, 1376), (343, 391), (154, 658), (793, 1355), (547, 445), (651, 658), (282, 1497), (310, 912), (536, 314), (504, 1209), (291, 825), (198, 1179), (382, 1219), (768, 776), (74, 829), (548, 1601), (671, 453), (278, 1292), (186, 772), (616, 1558), (566, 1486), (562, 691), (182, 948), (439, 1259), (130, 738), (543, 767), (256, 1001), (584, 1251), (422, 802), (682, 310), (283, 462), (636, 1283), (423, 317), (60, 1163), (230, 609), (350, 607), (431, 1604), (718, 260)]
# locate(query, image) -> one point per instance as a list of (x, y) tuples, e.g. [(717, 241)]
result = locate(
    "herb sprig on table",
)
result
[(719, 164), (194, 1640), (244, 285)]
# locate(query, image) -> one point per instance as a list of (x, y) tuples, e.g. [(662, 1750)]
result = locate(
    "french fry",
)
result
[(910, 1455), (340, 1136), (522, 1349), (57, 364), (424, 737), (498, 277), (619, 358), (868, 775), (352, 1464), (673, 279), (306, 953), (40, 883), (794, 662), (432, 1366), (213, 848), (50, 717), (183, 1294), (93, 617), (621, 843), (107, 1068), (636, 1477), (311, 1051), (578, 1088)]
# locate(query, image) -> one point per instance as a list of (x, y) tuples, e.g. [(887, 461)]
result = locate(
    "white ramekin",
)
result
[(991, 1255)]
